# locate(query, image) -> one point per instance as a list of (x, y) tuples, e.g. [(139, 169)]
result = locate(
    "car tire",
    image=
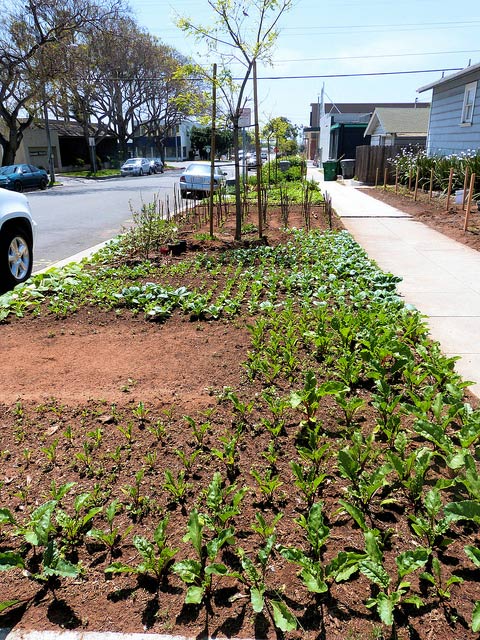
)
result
[(43, 184), (17, 186), (15, 258)]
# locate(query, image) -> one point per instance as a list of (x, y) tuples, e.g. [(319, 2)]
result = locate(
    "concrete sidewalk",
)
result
[(441, 277)]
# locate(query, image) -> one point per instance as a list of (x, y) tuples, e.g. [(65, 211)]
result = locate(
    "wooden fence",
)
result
[(369, 159)]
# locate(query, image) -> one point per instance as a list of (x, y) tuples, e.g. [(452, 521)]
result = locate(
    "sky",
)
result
[(341, 38)]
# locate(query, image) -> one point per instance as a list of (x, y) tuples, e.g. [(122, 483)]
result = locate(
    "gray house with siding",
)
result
[(455, 113)]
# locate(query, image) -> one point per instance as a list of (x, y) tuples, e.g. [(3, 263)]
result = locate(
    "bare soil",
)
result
[(64, 379)]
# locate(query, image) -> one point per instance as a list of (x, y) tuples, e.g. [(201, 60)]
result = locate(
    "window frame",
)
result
[(470, 89)]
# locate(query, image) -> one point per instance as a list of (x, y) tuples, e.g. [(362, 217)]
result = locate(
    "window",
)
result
[(468, 103)]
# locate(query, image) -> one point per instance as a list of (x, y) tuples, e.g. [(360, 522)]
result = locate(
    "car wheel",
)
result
[(17, 186), (140, 173), (15, 258), (43, 184)]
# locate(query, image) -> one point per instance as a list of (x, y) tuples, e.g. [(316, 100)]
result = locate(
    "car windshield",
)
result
[(199, 168), (132, 161), (9, 169)]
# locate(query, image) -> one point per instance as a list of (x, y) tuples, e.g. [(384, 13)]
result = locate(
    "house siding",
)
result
[(446, 134)]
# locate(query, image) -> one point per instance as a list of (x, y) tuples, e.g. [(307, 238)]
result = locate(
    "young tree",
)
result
[(244, 33), (283, 134)]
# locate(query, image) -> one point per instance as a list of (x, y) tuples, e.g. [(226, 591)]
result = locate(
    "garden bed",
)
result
[(283, 409)]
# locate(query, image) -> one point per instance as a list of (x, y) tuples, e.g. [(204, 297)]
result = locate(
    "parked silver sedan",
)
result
[(195, 180), (136, 167), (17, 236)]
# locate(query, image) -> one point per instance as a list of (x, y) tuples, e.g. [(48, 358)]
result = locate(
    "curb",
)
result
[(8, 634)]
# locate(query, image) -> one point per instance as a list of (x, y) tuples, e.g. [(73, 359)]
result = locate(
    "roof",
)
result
[(400, 121), (452, 76)]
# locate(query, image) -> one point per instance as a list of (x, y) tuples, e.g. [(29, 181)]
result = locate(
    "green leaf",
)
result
[(37, 530), (6, 516), (54, 564), (10, 560), (473, 553), (194, 595), (464, 510), (375, 572), (355, 513), (256, 597), (216, 569), (6, 604), (409, 561), (119, 567), (282, 616), (476, 617), (384, 606), (188, 570)]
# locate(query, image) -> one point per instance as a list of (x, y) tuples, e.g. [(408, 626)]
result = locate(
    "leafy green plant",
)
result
[(199, 572), (156, 556), (223, 502), (177, 486), (261, 597), (74, 527), (111, 536)]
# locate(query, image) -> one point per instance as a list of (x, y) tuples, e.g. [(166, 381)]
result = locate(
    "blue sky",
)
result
[(319, 38)]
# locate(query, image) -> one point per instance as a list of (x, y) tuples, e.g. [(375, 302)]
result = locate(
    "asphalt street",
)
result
[(82, 213)]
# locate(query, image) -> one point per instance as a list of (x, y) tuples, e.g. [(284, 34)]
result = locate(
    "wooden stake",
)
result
[(431, 186), (416, 183), (376, 177), (396, 180), (469, 203), (385, 176), (410, 179), (212, 147), (465, 182), (450, 180)]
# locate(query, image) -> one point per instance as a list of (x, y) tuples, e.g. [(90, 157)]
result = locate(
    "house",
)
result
[(336, 130), (176, 141), (69, 147), (398, 126), (455, 115)]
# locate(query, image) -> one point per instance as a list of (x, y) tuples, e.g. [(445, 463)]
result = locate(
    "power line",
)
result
[(387, 55), (354, 75)]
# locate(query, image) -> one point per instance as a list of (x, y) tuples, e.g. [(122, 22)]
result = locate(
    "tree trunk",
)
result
[(238, 199)]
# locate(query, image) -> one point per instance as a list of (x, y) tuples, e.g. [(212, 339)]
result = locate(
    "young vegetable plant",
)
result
[(112, 535), (74, 527), (199, 572), (392, 593), (156, 556), (176, 487), (223, 502), (261, 597), (308, 400)]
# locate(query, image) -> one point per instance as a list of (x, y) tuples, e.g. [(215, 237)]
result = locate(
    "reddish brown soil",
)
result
[(89, 371), (434, 214)]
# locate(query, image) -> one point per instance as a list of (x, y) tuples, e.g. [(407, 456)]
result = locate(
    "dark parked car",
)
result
[(24, 176), (156, 165), (17, 236)]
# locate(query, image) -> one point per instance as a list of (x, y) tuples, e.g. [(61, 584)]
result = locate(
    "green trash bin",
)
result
[(330, 170)]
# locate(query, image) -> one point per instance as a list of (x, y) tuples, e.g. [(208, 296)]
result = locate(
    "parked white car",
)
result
[(195, 180), (17, 238), (136, 167)]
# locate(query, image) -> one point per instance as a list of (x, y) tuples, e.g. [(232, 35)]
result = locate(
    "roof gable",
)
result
[(399, 120)]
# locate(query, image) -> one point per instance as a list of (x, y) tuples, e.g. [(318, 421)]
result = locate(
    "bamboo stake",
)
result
[(431, 186), (416, 184), (465, 182), (385, 176), (469, 203), (450, 180)]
